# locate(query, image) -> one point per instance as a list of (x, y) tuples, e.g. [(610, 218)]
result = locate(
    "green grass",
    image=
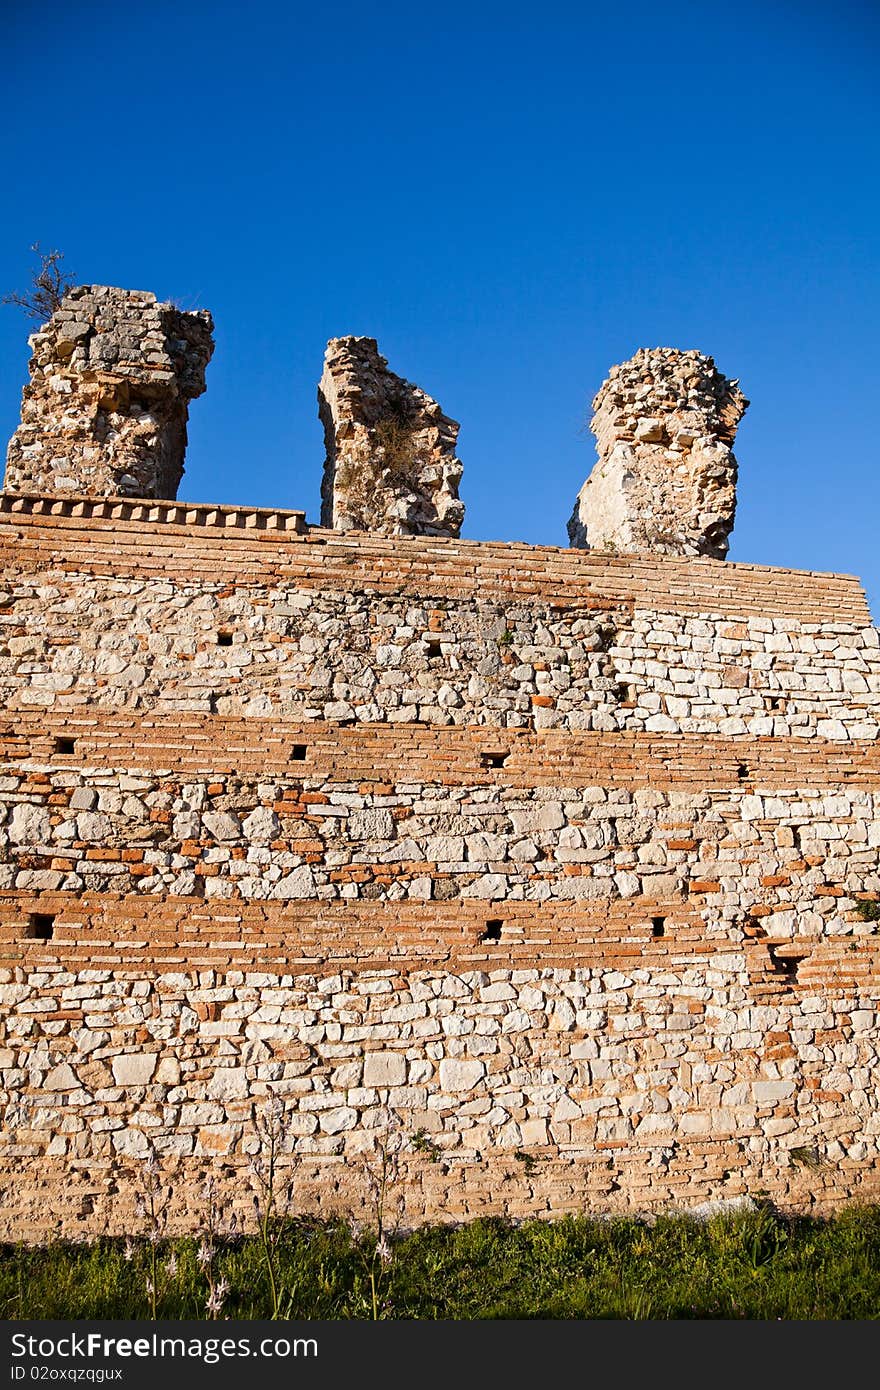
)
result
[(751, 1265)]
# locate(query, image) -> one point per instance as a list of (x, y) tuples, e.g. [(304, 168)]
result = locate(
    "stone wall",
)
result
[(665, 480), (560, 867), (327, 654), (801, 855), (391, 465), (105, 410), (644, 1073)]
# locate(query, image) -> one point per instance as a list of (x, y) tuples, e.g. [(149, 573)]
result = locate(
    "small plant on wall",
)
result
[(868, 909), (49, 284)]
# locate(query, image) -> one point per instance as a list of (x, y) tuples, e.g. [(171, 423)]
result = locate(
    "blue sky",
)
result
[(509, 197)]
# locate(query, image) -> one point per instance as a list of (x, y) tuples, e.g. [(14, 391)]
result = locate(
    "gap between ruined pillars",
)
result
[(665, 479)]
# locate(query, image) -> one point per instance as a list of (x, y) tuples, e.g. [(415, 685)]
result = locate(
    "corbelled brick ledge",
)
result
[(155, 510)]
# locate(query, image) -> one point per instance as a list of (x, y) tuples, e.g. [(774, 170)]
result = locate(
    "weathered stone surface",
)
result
[(228, 1083), (61, 1078), (221, 825), (134, 1068), (460, 1075), (105, 410), (29, 824), (338, 1119), (665, 481), (518, 665), (391, 465), (384, 1069), (671, 1059)]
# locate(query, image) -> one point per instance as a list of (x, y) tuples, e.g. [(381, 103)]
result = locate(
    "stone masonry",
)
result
[(391, 466), (556, 869), (511, 853), (665, 480), (105, 410)]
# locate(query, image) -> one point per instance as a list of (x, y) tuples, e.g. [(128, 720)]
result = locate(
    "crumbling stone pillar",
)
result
[(391, 465), (665, 423), (105, 410)]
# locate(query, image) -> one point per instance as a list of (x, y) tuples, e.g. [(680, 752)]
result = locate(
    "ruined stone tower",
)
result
[(391, 466), (105, 410), (665, 480)]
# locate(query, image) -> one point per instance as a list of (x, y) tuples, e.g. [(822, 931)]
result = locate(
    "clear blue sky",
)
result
[(511, 197)]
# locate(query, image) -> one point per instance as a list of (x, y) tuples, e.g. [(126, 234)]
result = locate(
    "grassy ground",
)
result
[(751, 1265)]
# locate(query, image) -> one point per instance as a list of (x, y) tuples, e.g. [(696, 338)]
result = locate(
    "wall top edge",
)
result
[(223, 516), (150, 509)]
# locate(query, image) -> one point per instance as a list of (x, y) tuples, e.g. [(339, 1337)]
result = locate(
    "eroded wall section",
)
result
[(390, 465), (665, 480), (105, 411)]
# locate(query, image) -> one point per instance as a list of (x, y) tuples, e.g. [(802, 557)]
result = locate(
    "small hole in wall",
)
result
[(775, 703), (432, 647), (752, 928), (65, 746), (298, 753), (492, 931), (658, 926), (625, 694), (493, 759), (40, 926), (224, 639), (787, 966), (742, 772)]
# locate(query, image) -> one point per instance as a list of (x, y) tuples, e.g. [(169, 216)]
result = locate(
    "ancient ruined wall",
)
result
[(305, 625), (665, 480), (105, 410), (290, 651), (574, 1069), (561, 864), (315, 834), (391, 466)]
